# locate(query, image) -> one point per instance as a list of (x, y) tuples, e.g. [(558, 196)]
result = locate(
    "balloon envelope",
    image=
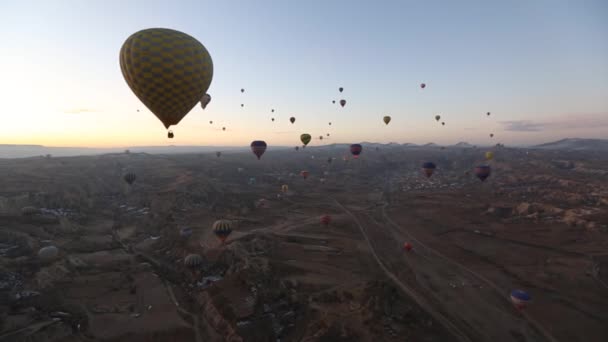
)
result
[(168, 70), (258, 147), (222, 229), (292, 119), (482, 172), (355, 150), (386, 119), (305, 138), (428, 168), (342, 103), (205, 100)]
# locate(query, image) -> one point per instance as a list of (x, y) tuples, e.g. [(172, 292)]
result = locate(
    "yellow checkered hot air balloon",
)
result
[(222, 229), (168, 70)]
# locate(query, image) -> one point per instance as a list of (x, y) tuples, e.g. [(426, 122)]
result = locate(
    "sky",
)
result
[(539, 66)]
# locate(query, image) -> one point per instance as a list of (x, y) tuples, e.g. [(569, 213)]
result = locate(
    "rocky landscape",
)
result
[(122, 269)]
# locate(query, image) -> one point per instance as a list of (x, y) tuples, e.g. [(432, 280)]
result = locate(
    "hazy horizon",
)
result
[(539, 67)]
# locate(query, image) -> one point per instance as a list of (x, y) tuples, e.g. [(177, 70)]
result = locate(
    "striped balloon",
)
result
[(222, 229)]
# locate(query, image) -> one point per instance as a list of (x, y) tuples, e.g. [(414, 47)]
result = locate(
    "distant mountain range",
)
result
[(576, 144), (24, 151)]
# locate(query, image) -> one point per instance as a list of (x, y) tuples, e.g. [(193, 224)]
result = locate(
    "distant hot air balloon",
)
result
[(340, 89), (491, 135), (520, 299), (386, 119), (242, 90), (205, 100), (242, 105), (488, 113), (305, 138), (211, 122), (342, 103), (325, 220), (443, 124), (320, 137), (258, 147), (330, 123), (272, 119), (222, 229), (437, 117), (304, 174), (428, 168), (130, 178), (218, 154), (329, 159), (333, 101), (170, 135), (223, 128), (482, 172), (272, 110), (297, 148), (407, 246), (489, 155), (284, 188), (422, 85), (292, 119), (356, 149), (193, 260), (157, 86)]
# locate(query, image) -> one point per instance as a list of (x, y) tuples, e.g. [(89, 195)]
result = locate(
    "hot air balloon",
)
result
[(428, 168), (284, 188), (211, 122), (185, 232), (422, 85), (48, 253), (491, 135), (437, 117), (272, 110), (520, 299), (407, 246), (205, 100), (193, 260), (342, 103), (297, 148), (168, 70), (320, 137), (330, 123), (170, 135), (443, 124), (327, 134), (386, 119), (355, 150), (242, 90), (340, 89), (221, 229), (258, 147), (333, 101), (305, 138), (272, 119), (223, 128), (242, 105), (482, 172), (304, 174), (325, 220), (218, 154), (488, 113), (130, 178), (292, 119), (489, 155)]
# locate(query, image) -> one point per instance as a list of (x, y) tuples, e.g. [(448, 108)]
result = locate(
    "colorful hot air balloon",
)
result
[(222, 229), (130, 178), (422, 85), (407, 246), (342, 103), (327, 134), (292, 119), (258, 147), (428, 168), (437, 117), (386, 119), (325, 220), (272, 119), (284, 188), (218, 154), (489, 155), (304, 174), (168, 70), (340, 89), (482, 172), (356, 149), (205, 100), (520, 299), (170, 135), (305, 138)]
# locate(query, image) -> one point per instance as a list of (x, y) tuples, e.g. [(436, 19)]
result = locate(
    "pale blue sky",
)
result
[(539, 61)]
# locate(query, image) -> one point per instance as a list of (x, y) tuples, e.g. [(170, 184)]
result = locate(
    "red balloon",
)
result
[(407, 246)]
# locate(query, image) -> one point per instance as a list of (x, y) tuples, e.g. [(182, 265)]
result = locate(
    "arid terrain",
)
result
[(539, 223)]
